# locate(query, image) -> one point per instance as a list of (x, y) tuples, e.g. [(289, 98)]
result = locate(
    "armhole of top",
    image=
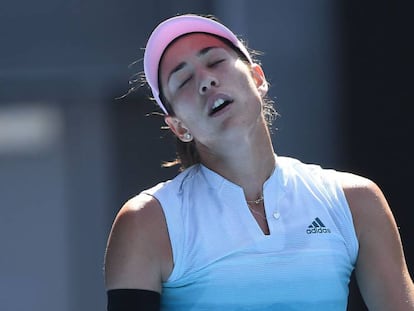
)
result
[(172, 219), (348, 229)]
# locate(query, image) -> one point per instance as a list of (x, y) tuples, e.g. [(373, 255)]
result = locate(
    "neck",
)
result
[(248, 163)]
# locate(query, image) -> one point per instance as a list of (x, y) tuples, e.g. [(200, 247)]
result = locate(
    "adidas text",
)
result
[(317, 226), (318, 230)]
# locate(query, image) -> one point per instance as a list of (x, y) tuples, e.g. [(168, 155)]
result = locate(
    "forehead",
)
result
[(187, 46)]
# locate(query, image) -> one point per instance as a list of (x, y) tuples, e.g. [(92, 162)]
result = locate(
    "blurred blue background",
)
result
[(71, 153)]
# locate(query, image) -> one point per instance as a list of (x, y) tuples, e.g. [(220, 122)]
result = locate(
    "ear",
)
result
[(260, 79), (178, 128)]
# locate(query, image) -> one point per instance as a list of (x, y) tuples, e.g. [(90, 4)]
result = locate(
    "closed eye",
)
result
[(215, 63), (185, 81), (209, 65)]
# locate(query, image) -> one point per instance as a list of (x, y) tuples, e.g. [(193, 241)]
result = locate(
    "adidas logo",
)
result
[(317, 226)]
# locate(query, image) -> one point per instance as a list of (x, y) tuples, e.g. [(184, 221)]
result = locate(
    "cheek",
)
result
[(182, 106), (245, 76)]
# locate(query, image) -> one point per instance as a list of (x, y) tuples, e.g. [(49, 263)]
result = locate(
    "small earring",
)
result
[(187, 136)]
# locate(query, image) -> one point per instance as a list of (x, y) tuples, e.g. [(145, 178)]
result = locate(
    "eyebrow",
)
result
[(181, 65)]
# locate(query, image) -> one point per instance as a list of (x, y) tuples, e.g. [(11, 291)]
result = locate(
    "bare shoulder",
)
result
[(357, 185), (381, 270), (138, 253), (365, 199)]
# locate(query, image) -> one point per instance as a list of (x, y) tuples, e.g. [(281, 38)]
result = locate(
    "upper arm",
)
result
[(381, 270), (138, 251)]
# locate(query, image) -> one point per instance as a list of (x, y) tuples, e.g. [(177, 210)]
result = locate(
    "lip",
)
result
[(211, 100)]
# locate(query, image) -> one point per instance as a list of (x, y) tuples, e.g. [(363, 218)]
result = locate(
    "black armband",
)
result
[(133, 300)]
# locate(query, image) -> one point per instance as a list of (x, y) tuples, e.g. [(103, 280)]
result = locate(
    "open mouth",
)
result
[(219, 104)]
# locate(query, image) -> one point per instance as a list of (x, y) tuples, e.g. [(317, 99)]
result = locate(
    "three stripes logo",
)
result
[(317, 226)]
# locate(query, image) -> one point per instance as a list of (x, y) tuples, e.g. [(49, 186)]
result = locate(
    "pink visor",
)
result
[(171, 29)]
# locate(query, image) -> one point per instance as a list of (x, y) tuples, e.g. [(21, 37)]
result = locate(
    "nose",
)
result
[(207, 83)]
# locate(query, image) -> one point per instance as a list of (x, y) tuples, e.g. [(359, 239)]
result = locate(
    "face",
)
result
[(213, 93)]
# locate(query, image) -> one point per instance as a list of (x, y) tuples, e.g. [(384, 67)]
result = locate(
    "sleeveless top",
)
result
[(222, 259)]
